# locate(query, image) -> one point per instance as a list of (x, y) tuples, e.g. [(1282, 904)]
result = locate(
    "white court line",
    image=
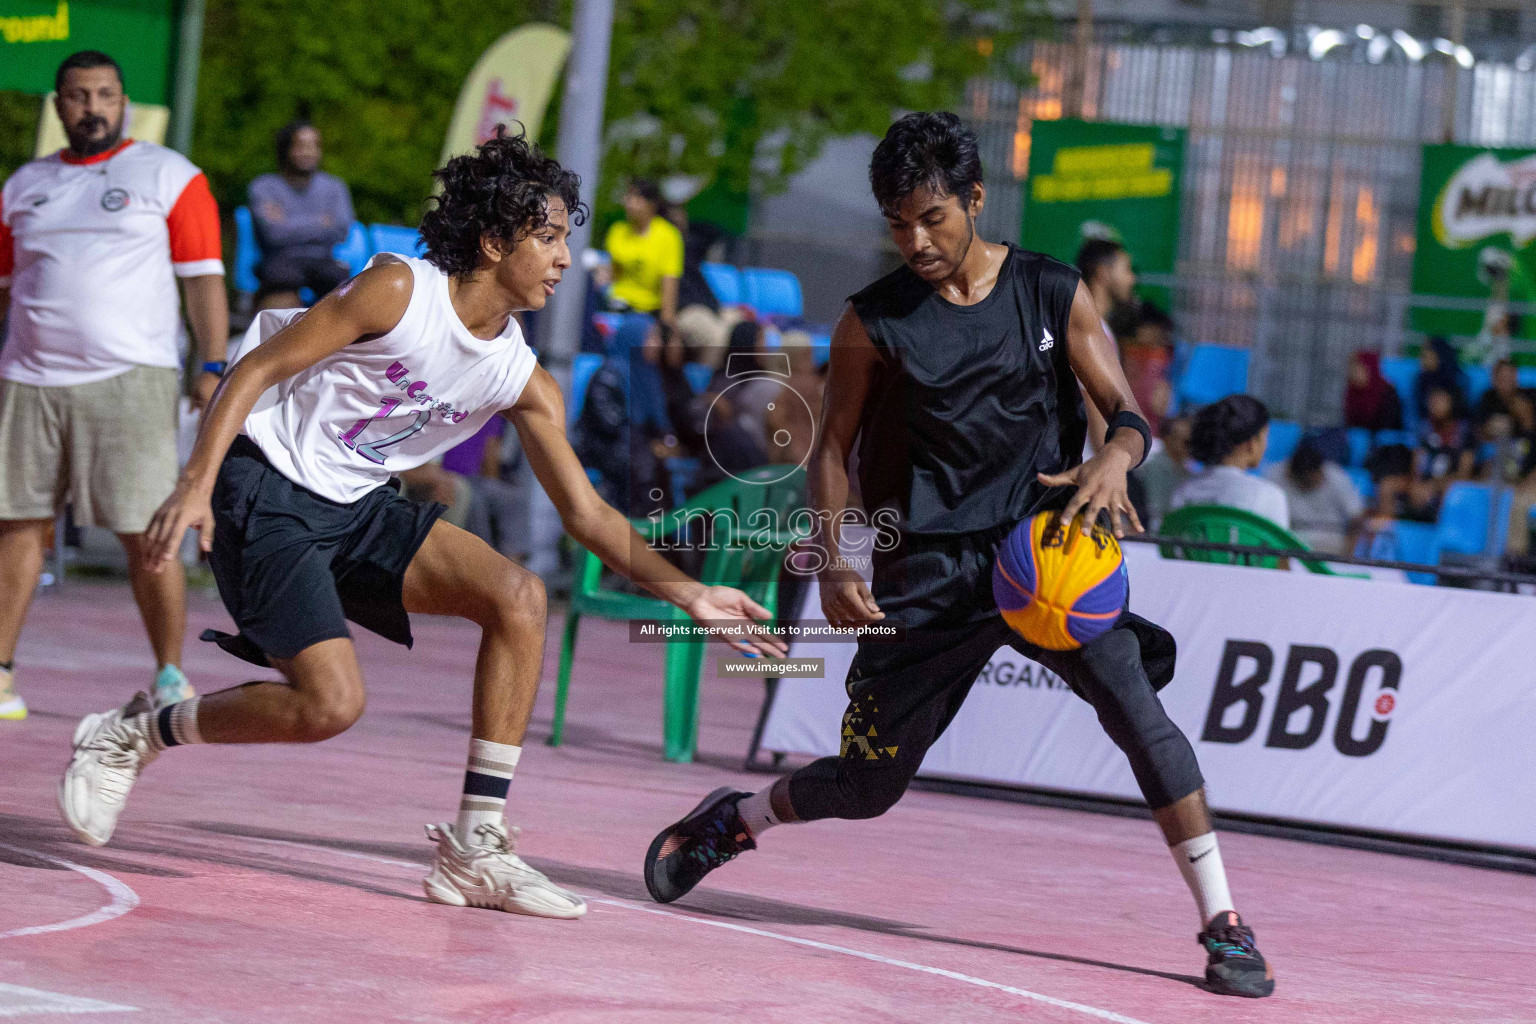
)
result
[(124, 899), (16, 1001), (1092, 1011)]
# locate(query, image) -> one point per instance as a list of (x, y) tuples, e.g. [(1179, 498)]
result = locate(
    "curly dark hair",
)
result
[(930, 148), (1222, 426), (501, 190)]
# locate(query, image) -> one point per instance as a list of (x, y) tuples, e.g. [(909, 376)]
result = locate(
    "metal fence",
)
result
[(1301, 187)]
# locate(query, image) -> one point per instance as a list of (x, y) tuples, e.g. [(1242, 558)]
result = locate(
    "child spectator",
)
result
[(1325, 508), (1370, 400), (1447, 452), (1229, 437), (1438, 369)]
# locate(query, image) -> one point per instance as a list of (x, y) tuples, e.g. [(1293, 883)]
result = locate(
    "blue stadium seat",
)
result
[(608, 323), (1406, 541), (1214, 371), (584, 367), (1479, 380), (1284, 436), (725, 281), (355, 251), (396, 239), (1362, 481), (247, 252), (1402, 372), (1462, 526), (699, 376), (772, 292), (1359, 440), (821, 347), (1402, 437), (1526, 376)]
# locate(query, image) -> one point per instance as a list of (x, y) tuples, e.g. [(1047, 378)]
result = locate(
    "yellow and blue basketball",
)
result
[(1057, 588)]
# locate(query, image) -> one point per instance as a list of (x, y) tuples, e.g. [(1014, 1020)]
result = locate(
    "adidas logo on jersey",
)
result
[(1047, 342)]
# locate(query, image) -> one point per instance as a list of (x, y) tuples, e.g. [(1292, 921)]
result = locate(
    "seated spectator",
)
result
[(1499, 400), (707, 334), (1447, 452), (1438, 369), (1370, 400), (624, 431), (698, 239), (647, 254), (301, 214), (750, 390), (1147, 356), (1324, 507), (1229, 438), (791, 423), (1164, 471)]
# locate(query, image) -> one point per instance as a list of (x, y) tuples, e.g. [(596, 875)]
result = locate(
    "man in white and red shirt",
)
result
[(92, 242)]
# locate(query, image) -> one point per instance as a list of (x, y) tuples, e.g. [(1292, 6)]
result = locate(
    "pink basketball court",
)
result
[(282, 884)]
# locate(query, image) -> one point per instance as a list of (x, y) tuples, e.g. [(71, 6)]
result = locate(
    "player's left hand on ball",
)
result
[(737, 619), (1101, 485), (182, 511)]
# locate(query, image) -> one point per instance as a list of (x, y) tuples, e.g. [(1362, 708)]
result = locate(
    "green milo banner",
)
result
[(1118, 181), (1477, 220), (35, 35)]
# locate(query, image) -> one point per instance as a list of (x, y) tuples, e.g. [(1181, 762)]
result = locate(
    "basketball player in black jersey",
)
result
[(962, 375)]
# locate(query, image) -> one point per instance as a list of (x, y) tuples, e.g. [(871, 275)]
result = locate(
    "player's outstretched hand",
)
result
[(735, 617), (848, 604), (1100, 484), (184, 509)]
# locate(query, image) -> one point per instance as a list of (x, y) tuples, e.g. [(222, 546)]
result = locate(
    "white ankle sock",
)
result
[(486, 782), (174, 725), (757, 812), (1199, 861)]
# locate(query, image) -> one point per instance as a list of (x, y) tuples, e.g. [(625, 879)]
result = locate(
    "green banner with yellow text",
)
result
[(1117, 181), (36, 35)]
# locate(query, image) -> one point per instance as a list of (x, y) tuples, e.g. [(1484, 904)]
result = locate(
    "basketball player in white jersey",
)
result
[(288, 485)]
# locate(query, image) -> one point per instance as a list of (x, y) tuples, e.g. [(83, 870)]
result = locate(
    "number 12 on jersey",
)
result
[(371, 451)]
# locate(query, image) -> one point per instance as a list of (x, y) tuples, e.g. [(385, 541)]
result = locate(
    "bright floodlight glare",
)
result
[(1365, 32), (1412, 48), (1443, 45), (1376, 51), (1259, 36), (1464, 57), (1527, 59), (1324, 41)]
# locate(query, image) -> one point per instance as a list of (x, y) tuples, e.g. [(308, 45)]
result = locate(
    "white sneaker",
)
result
[(490, 875), (110, 750)]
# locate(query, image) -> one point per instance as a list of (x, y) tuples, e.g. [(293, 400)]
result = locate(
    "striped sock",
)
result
[(174, 725), (485, 786)]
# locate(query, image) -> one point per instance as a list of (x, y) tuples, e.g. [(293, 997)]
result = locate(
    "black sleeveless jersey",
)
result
[(969, 402)]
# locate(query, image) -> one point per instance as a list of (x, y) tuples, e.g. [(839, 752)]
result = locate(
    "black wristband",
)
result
[(1128, 419)]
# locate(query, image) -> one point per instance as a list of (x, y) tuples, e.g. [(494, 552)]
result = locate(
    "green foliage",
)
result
[(747, 91), (379, 80), (740, 91), (18, 129)]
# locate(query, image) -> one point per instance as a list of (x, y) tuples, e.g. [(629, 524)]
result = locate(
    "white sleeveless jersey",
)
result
[(378, 407)]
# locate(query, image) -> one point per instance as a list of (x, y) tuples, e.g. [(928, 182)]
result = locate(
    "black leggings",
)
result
[(904, 693)]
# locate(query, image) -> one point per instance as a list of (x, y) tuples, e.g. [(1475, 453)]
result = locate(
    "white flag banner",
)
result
[(1318, 699)]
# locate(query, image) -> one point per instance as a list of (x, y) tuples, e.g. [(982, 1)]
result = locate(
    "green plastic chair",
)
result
[(746, 552), (1219, 524)]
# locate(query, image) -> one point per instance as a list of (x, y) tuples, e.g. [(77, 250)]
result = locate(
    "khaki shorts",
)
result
[(108, 446)]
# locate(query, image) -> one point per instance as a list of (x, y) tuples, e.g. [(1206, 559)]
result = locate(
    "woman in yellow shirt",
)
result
[(647, 254)]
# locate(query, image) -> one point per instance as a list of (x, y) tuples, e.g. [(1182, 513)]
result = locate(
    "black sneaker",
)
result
[(1236, 967), (686, 851)]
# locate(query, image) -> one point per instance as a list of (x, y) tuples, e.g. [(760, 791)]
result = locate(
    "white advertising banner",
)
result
[(1318, 699)]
